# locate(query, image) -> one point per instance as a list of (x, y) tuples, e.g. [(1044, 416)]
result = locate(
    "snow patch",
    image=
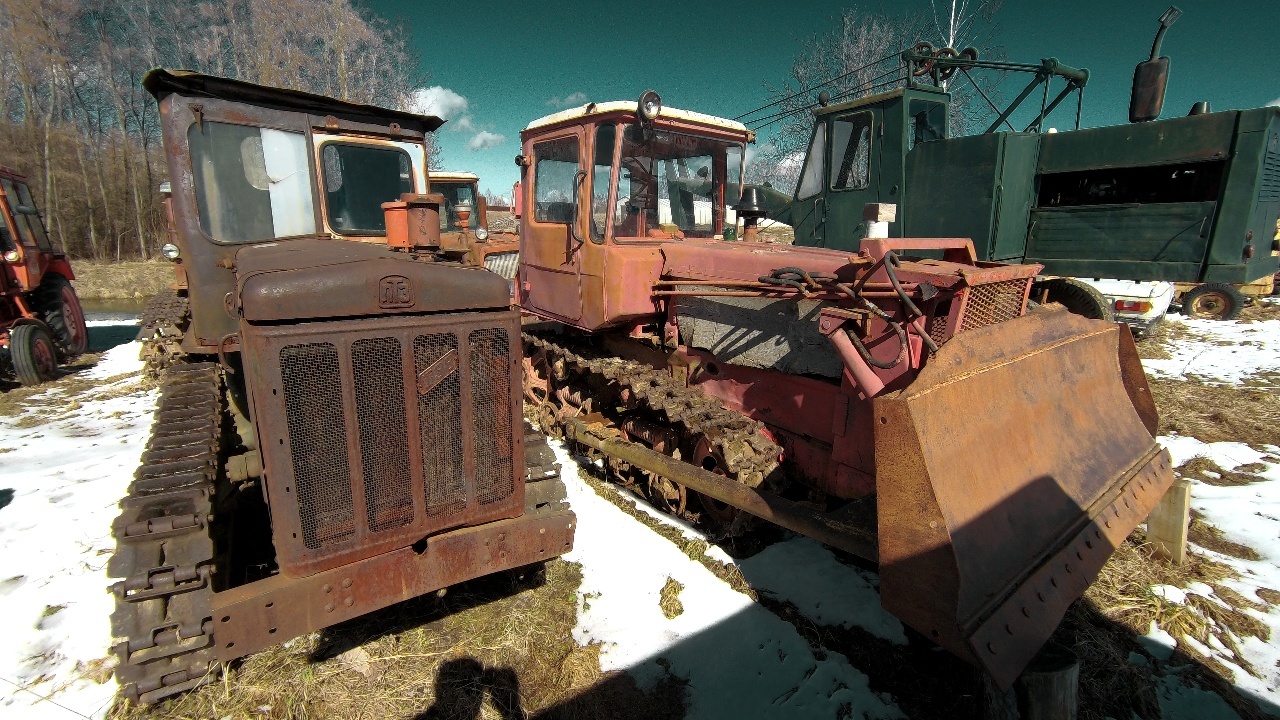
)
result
[(1220, 351)]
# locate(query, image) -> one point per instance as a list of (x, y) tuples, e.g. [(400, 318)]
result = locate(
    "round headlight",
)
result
[(13, 256), (169, 250), (649, 105), (482, 234)]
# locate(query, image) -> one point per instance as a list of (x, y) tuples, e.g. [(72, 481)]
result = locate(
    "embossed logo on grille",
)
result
[(394, 291)]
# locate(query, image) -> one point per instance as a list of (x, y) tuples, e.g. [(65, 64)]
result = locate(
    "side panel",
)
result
[(953, 189), (1250, 203), (1015, 197), (378, 432), (1187, 139), (1156, 241)]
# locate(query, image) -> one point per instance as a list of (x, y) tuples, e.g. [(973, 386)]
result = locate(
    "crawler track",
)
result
[(165, 548), (747, 453)]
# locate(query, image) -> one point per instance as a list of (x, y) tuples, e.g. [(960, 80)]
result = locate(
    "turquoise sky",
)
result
[(494, 66)]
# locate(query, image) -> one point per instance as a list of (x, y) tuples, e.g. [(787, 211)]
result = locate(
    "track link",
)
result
[(163, 323), (748, 454), (164, 546)]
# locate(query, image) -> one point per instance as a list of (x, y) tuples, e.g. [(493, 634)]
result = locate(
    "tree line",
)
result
[(76, 121)]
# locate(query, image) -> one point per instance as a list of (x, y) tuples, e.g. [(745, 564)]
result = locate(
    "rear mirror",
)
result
[(1149, 81)]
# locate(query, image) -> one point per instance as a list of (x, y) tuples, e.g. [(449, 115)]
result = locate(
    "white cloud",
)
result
[(577, 98), (439, 101), (484, 140), (462, 124)]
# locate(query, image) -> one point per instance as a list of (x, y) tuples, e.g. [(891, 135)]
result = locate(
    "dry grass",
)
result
[(1260, 310), (669, 599), (123, 280), (1211, 538), (1214, 413), (1271, 597), (1153, 344), (1207, 471), (491, 648)]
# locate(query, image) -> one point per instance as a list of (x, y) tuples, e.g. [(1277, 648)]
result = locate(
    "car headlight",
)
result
[(13, 256), (170, 251), (482, 234)]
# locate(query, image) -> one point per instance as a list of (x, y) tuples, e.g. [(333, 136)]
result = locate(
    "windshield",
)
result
[(456, 193), (671, 184), (357, 180)]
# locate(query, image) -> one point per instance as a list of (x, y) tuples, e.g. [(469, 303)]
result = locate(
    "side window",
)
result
[(27, 207), (851, 151), (252, 184), (602, 171), (357, 180), (811, 178), (555, 165), (928, 122)]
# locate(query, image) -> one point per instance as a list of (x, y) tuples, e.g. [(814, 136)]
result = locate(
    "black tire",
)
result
[(34, 355), (1077, 297), (1213, 301), (59, 307)]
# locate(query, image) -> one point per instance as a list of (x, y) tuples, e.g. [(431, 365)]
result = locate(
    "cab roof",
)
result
[(161, 83), (593, 109), (452, 175), (881, 97)]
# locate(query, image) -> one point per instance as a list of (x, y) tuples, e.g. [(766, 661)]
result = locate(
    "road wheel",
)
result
[(1077, 297), (34, 358), (1213, 301), (59, 307)]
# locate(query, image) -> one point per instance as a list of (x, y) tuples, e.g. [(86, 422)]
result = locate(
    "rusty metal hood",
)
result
[(313, 279)]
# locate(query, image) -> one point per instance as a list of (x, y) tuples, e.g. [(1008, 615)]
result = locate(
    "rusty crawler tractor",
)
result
[(41, 321), (465, 227), (904, 409), (340, 423)]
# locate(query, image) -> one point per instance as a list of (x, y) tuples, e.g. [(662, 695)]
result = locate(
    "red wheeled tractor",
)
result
[(41, 321)]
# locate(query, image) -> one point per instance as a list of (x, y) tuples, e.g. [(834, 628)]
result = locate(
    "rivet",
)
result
[(328, 588), (1088, 544), (1026, 612), (1008, 629), (542, 531), (991, 648), (1079, 556), (1053, 581), (349, 602), (346, 582), (1040, 596), (1068, 566), (328, 607), (1107, 523)]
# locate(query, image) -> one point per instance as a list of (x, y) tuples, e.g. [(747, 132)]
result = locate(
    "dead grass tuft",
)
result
[(1236, 600), (492, 648), (670, 599), (1154, 343), (1208, 472), (1260, 310), (1271, 597), (123, 280), (1214, 413)]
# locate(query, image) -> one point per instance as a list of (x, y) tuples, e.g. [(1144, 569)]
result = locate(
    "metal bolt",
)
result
[(349, 602), (346, 582), (328, 607), (327, 588)]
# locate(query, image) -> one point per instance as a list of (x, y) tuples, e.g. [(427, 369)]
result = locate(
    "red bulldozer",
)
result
[(41, 321)]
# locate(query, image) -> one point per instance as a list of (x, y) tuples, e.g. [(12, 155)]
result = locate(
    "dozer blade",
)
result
[(1006, 474)]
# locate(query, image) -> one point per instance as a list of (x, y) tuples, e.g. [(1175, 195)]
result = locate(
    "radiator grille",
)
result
[(503, 263), (312, 389), (1269, 188), (378, 368), (440, 423), (490, 383), (994, 302)]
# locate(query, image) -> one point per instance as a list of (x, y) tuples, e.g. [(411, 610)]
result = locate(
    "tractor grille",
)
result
[(1269, 188), (994, 302), (503, 263), (426, 402)]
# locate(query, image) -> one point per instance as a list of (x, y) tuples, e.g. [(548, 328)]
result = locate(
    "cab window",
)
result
[(851, 151), (928, 122), (358, 178), (455, 194), (670, 184), (811, 177), (555, 168), (251, 184), (601, 173)]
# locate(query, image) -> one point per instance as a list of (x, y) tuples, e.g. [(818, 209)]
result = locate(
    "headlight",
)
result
[(169, 250), (13, 256), (482, 234)]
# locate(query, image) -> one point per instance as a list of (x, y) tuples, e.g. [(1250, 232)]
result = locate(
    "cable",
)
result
[(864, 86), (821, 84)]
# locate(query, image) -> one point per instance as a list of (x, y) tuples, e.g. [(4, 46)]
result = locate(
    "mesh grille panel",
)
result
[(378, 368), (1269, 188), (994, 302), (440, 420), (503, 263), (491, 397), (317, 442)]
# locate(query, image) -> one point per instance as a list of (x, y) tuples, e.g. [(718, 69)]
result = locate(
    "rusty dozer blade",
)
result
[(1006, 475)]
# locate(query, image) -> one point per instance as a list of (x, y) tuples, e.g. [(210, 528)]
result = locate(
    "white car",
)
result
[(1138, 304)]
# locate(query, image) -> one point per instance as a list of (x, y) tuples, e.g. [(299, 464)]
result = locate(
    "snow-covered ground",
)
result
[(66, 472), (69, 459)]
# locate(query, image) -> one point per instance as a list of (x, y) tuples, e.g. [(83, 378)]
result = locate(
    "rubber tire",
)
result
[(34, 355), (59, 307), (1077, 297), (1234, 300)]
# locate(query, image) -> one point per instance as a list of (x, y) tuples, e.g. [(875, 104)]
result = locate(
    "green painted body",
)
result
[(1178, 200)]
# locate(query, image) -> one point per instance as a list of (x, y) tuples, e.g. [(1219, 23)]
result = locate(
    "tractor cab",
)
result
[(269, 165), (465, 227), (604, 186)]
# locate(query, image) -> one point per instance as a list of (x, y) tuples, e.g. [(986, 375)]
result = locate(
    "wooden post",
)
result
[(1046, 689), (1169, 521)]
